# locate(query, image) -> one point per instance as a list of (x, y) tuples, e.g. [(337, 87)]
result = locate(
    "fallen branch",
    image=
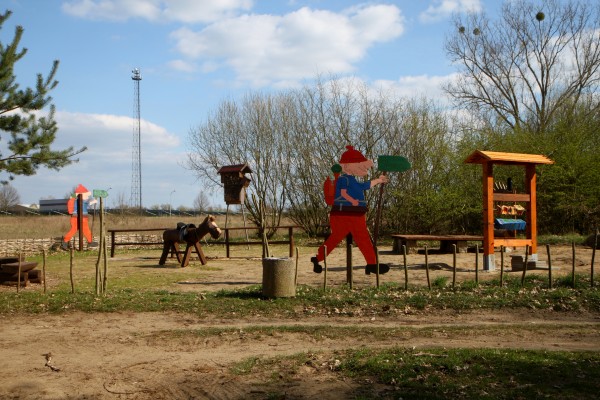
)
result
[(48, 364)]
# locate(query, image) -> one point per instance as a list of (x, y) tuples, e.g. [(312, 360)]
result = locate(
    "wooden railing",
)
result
[(227, 242)]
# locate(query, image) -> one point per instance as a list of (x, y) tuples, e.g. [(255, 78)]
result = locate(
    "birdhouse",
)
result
[(235, 182)]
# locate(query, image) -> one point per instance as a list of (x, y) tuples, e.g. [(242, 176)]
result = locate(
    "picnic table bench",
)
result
[(446, 242)]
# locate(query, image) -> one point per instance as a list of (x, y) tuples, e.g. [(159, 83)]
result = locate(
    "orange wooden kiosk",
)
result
[(488, 159)]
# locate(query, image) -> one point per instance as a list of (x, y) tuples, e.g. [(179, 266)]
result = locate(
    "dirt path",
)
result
[(161, 356), (107, 356)]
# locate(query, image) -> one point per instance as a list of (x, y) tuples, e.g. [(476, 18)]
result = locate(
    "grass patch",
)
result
[(478, 373), (561, 239), (440, 373), (389, 299)]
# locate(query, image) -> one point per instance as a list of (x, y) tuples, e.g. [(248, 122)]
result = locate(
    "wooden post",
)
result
[(349, 266), (103, 245), (227, 242), (531, 214), (19, 274), (477, 265), (98, 286), (427, 268), (44, 268), (573, 268), (549, 267), (71, 269), (325, 268), (502, 266), (488, 215), (405, 267), (525, 265), (296, 277), (453, 266), (112, 244), (377, 268), (593, 257), (80, 220), (291, 238)]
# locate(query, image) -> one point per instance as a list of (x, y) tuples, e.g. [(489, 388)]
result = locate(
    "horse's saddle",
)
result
[(182, 229)]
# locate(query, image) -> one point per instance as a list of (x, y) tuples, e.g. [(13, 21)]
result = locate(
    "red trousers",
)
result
[(343, 223), (84, 225)]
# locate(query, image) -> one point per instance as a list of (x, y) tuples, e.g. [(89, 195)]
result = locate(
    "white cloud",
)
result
[(107, 162), (182, 65), (416, 86), (187, 11), (441, 9), (265, 49)]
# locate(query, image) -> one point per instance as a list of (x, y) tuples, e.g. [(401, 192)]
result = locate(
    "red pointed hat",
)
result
[(352, 156), (81, 189)]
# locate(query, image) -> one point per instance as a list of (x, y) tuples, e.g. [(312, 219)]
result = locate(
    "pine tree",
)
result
[(31, 134)]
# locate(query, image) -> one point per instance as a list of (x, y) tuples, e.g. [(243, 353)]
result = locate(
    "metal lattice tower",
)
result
[(136, 153)]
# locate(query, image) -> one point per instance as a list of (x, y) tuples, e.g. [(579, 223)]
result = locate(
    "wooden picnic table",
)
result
[(446, 242)]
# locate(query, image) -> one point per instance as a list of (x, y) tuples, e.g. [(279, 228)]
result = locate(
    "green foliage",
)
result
[(31, 135)]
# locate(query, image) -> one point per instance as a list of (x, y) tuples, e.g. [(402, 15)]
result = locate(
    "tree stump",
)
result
[(279, 276)]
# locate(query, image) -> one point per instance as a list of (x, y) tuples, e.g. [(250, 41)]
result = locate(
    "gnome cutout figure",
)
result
[(349, 209), (73, 208)]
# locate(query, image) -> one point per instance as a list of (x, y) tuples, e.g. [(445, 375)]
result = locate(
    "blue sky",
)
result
[(192, 55)]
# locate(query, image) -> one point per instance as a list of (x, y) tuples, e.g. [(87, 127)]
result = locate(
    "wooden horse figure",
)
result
[(191, 235)]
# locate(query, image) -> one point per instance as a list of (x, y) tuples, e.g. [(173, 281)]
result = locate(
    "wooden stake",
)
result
[(453, 266), (19, 274), (477, 264), (98, 275), (103, 245), (501, 266), (427, 268), (549, 267), (349, 265), (573, 268), (296, 276), (593, 257), (325, 268), (525, 265), (405, 268), (377, 268), (71, 269), (44, 268)]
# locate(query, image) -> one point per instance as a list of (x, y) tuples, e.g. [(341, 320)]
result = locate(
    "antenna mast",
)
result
[(136, 154)]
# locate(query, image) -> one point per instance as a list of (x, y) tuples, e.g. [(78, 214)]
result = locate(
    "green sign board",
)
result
[(97, 193)]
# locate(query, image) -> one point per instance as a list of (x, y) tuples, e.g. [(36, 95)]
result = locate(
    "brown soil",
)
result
[(128, 356)]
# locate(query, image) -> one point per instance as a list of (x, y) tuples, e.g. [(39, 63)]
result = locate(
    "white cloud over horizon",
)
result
[(267, 49), (186, 11), (441, 9)]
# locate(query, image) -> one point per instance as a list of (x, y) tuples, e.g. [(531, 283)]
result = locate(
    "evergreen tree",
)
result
[(30, 133)]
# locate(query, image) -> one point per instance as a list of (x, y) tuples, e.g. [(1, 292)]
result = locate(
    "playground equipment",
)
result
[(488, 159), (191, 235)]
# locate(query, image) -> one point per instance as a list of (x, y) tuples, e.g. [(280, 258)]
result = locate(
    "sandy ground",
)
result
[(128, 356)]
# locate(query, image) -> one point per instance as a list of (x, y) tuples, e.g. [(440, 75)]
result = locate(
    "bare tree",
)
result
[(521, 69), (248, 132), (9, 197), (201, 202)]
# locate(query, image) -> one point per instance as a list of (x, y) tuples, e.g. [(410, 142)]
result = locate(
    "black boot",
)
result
[(372, 268), (317, 268)]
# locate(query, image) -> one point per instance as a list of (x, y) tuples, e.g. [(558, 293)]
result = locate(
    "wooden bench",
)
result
[(446, 242)]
